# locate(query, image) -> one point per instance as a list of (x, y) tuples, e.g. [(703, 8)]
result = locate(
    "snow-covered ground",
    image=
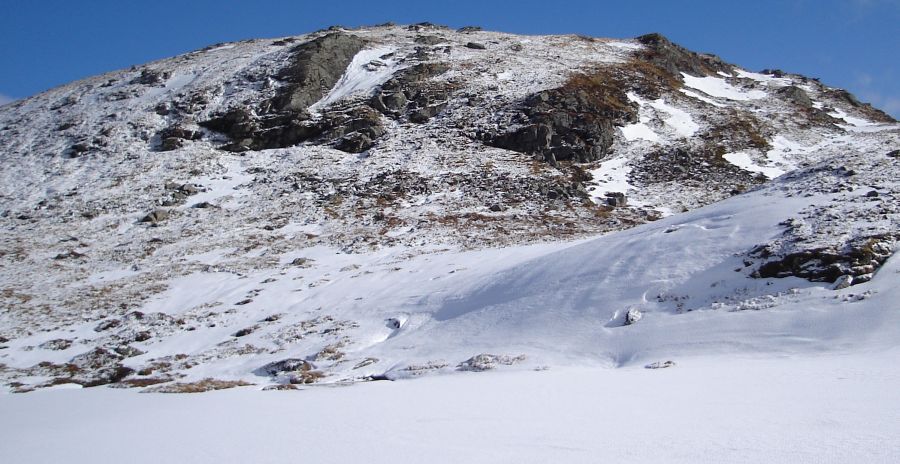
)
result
[(836, 408), (432, 255)]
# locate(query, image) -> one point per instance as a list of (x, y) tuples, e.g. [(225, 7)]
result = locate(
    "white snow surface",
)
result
[(744, 161), (735, 409), (720, 88)]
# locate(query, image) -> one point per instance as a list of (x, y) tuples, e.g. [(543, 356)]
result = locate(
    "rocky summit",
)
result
[(396, 201)]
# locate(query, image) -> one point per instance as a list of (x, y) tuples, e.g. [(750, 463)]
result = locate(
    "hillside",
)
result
[(400, 201)]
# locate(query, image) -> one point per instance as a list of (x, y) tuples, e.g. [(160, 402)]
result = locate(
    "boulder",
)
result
[(475, 46), (156, 216), (616, 199), (429, 40), (633, 316)]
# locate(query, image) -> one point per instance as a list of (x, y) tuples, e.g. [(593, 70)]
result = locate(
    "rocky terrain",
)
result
[(307, 209)]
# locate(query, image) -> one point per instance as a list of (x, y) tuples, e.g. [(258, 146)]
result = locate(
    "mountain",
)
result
[(399, 201)]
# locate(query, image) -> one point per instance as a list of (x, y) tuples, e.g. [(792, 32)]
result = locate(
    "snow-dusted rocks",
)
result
[(484, 362), (633, 315), (384, 202)]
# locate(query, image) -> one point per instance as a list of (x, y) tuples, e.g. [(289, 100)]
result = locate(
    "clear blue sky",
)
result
[(847, 43)]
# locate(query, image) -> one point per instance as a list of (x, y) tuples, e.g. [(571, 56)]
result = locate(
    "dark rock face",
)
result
[(676, 59), (796, 95), (315, 68), (172, 138), (574, 122), (410, 93), (284, 120)]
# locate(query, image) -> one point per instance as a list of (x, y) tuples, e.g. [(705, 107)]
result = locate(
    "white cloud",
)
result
[(4, 99)]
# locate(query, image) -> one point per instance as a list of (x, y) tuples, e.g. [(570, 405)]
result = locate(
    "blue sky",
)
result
[(847, 43)]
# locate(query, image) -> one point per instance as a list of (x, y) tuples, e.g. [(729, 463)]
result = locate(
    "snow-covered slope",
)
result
[(397, 202)]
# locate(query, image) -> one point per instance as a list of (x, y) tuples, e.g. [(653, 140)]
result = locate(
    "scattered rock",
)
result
[(330, 353), (660, 365), (107, 324), (71, 254), (468, 29), (151, 77), (128, 351), (483, 362), (56, 344)]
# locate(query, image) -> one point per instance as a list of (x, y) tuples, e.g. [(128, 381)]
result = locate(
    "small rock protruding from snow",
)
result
[(397, 322), (156, 216), (633, 315), (660, 365), (842, 282)]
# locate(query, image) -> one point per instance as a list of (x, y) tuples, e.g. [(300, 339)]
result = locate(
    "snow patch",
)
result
[(677, 119), (745, 162), (719, 88), (701, 98), (368, 69), (764, 78)]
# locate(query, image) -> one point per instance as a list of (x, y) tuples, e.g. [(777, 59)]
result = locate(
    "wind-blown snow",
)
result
[(368, 69)]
